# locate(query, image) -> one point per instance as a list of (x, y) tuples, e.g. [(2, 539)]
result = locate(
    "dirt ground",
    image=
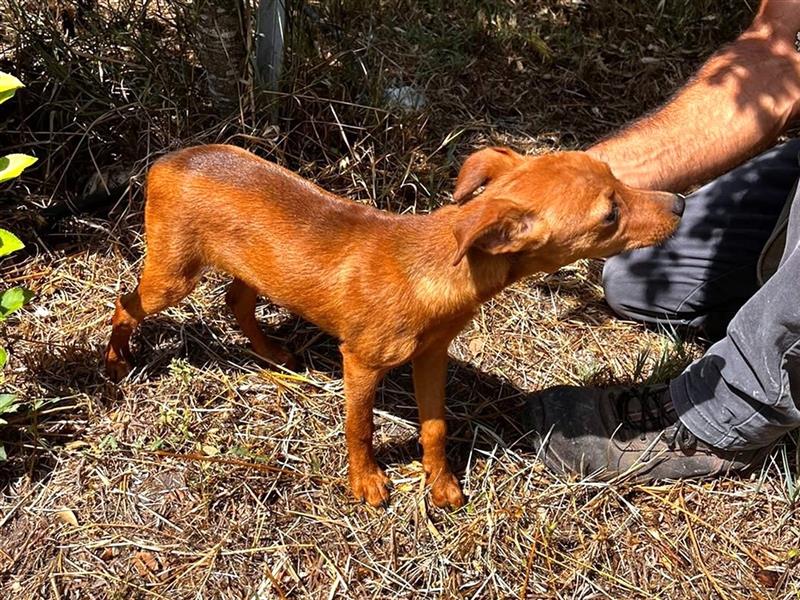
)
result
[(205, 475)]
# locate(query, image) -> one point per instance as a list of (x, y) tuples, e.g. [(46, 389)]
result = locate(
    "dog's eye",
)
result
[(613, 214)]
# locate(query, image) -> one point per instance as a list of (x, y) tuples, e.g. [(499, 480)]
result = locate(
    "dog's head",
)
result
[(555, 209)]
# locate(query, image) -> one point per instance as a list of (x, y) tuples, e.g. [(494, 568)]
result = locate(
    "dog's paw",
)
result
[(370, 486), (117, 367), (279, 356), (446, 491)]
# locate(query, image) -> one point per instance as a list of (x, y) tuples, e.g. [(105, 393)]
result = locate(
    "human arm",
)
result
[(739, 102)]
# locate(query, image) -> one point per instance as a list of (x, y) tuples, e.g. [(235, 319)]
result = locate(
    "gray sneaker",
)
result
[(625, 431)]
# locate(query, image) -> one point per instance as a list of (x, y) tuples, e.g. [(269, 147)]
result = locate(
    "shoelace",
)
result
[(681, 437), (653, 416)]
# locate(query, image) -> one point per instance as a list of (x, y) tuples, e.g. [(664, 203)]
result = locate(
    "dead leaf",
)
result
[(476, 346), (65, 515), (107, 554), (210, 450), (76, 444), (145, 563), (768, 579)]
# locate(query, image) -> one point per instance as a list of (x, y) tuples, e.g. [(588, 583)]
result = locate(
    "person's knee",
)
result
[(636, 289), (623, 290)]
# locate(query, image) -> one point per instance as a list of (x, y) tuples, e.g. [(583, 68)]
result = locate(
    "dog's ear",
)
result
[(483, 166), (499, 227)]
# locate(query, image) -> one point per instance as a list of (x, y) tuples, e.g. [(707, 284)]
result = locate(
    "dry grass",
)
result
[(206, 476)]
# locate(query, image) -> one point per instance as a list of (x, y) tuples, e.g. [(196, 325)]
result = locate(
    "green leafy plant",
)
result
[(8, 86), (12, 299)]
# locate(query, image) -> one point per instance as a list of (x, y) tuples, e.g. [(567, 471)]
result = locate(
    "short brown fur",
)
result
[(392, 288)]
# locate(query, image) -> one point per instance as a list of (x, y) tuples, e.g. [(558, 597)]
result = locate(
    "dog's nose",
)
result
[(678, 205)]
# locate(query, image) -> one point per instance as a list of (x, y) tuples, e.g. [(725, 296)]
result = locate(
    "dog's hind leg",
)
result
[(160, 286), (241, 299)]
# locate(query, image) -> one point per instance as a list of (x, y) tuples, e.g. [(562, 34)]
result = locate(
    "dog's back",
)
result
[(222, 207)]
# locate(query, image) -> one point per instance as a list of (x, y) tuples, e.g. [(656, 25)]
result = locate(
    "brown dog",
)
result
[(392, 288)]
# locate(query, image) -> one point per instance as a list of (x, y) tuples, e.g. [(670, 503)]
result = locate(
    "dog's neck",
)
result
[(446, 288)]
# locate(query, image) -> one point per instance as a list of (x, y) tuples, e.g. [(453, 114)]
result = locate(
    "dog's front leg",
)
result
[(430, 375), (367, 479)]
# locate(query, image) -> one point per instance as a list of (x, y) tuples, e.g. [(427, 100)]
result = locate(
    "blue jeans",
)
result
[(745, 391)]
